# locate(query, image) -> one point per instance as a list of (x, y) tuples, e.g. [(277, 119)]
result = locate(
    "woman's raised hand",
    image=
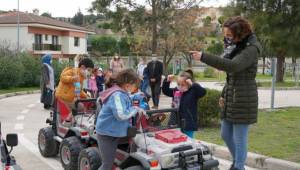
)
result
[(196, 55)]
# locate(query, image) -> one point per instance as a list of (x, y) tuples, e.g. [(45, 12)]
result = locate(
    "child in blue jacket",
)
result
[(189, 92), (114, 118)]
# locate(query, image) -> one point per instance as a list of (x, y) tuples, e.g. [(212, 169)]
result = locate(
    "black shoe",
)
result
[(232, 167)]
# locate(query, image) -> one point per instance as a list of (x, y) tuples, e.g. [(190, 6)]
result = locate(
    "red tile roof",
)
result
[(28, 18)]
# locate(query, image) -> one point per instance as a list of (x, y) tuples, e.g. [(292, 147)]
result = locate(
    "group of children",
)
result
[(118, 107), (94, 84)]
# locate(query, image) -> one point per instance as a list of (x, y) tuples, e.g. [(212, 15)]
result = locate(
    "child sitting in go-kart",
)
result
[(70, 85), (185, 97), (113, 120)]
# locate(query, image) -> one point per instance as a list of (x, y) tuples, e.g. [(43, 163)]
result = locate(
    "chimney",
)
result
[(36, 11)]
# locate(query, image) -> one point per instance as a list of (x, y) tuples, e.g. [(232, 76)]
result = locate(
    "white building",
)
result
[(40, 35)]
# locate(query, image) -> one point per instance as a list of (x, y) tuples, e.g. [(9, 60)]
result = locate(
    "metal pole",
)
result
[(18, 41), (274, 61), (297, 75)]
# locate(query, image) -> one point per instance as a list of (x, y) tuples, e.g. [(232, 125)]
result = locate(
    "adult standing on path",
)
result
[(155, 71), (116, 64), (47, 81), (239, 100)]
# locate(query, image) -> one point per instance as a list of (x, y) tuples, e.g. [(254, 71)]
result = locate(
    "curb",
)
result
[(255, 160), (2, 96)]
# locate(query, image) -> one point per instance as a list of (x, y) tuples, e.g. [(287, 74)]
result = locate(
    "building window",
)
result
[(38, 39), (54, 39), (76, 41), (46, 37)]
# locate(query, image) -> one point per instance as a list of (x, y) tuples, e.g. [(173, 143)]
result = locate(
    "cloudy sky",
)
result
[(67, 8)]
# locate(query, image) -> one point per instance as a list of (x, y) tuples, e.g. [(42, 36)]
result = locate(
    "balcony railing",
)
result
[(46, 47)]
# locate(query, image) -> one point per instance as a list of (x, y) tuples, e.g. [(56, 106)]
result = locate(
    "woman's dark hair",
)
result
[(239, 27), (88, 63), (187, 74), (127, 76)]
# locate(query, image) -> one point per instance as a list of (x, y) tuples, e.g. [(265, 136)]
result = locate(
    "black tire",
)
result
[(69, 151), (89, 159), (48, 146)]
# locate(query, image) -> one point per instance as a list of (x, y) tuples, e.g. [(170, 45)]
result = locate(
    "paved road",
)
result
[(24, 115)]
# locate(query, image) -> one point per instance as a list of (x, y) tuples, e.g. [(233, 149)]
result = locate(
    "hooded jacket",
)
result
[(66, 89), (117, 109)]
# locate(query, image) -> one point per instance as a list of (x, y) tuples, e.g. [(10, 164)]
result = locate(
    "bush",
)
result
[(208, 108), (209, 73), (58, 68), (11, 72), (32, 70)]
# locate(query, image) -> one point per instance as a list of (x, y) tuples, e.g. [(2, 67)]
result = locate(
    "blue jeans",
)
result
[(236, 139)]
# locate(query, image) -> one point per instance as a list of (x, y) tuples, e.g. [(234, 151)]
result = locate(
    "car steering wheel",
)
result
[(156, 117)]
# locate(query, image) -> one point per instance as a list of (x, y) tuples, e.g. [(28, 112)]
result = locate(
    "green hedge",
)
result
[(23, 70), (32, 70), (209, 72), (208, 108), (11, 72)]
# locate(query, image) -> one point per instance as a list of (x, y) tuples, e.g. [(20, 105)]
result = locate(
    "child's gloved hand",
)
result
[(170, 77)]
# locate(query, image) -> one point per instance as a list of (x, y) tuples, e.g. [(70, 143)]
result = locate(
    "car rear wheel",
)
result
[(48, 146), (89, 159), (69, 152)]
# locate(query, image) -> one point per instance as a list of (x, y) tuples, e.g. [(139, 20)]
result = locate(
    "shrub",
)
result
[(208, 108), (209, 73), (11, 72), (58, 68), (32, 70)]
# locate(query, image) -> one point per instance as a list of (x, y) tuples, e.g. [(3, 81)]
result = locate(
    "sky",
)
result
[(68, 8)]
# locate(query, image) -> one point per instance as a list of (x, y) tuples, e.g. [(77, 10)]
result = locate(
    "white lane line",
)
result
[(31, 105), (21, 117), (19, 126), (33, 148), (38, 101), (25, 111)]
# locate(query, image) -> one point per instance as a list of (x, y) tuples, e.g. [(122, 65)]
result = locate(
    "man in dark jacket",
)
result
[(239, 101), (155, 71)]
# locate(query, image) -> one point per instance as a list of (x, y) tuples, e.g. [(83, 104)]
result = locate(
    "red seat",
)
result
[(63, 109)]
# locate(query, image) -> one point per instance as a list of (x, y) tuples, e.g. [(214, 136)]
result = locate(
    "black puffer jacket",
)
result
[(240, 91)]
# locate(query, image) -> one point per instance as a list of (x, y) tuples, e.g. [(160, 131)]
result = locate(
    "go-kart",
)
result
[(69, 137), (7, 161), (154, 144)]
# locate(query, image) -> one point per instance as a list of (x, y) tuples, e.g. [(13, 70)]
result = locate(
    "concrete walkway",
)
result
[(283, 98)]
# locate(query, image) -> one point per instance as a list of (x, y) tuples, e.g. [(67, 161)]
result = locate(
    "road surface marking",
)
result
[(38, 101), (25, 111), (19, 126), (21, 117), (31, 105), (33, 148)]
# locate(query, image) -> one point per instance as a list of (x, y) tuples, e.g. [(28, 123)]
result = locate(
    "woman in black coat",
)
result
[(239, 100)]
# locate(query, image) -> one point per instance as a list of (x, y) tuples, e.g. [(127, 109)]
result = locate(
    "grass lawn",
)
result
[(277, 134), (17, 89)]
